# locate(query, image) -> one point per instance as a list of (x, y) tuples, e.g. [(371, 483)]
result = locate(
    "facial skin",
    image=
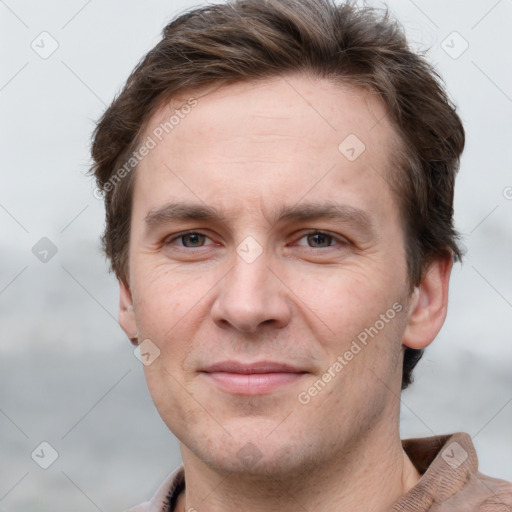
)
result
[(249, 151)]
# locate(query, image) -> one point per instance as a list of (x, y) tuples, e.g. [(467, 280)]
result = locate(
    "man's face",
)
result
[(253, 305)]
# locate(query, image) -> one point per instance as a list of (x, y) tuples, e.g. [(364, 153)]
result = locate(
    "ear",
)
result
[(428, 305), (126, 313)]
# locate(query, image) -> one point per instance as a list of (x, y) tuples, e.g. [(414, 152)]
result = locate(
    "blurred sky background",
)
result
[(68, 375)]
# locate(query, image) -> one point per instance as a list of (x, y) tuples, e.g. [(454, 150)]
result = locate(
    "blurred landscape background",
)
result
[(68, 375)]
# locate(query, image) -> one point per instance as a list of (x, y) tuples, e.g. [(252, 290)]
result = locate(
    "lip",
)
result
[(250, 368), (257, 378)]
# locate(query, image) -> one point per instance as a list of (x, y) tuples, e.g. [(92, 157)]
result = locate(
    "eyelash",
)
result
[(340, 240)]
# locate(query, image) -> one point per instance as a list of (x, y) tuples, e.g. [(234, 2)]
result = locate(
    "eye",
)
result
[(190, 240), (321, 240), (193, 239)]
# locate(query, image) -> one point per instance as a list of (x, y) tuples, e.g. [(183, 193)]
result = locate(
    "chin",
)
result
[(256, 454)]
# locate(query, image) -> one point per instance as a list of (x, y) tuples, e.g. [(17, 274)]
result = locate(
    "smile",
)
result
[(251, 379)]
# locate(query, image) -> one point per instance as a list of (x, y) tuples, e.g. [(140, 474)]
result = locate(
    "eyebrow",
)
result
[(302, 212), (173, 212), (327, 210)]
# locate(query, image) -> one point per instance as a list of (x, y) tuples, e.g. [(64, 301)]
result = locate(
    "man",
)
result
[(278, 180)]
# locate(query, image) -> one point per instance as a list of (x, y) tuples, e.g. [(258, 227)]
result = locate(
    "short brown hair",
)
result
[(251, 39)]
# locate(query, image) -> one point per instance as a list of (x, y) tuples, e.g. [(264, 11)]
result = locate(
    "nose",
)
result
[(251, 296)]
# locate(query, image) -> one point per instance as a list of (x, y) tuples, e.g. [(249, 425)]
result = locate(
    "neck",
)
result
[(369, 478)]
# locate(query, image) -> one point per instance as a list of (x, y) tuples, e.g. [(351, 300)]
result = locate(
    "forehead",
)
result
[(267, 140), (300, 103)]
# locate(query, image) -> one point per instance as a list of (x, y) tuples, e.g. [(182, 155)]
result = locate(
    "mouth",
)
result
[(252, 379)]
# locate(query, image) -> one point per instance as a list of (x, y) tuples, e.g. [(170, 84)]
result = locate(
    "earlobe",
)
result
[(428, 305), (126, 314)]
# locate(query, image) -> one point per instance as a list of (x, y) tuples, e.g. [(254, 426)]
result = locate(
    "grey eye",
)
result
[(319, 240), (195, 239)]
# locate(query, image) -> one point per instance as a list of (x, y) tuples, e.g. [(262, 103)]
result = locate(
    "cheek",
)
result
[(342, 301), (166, 311), (165, 296), (360, 318), (176, 406)]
